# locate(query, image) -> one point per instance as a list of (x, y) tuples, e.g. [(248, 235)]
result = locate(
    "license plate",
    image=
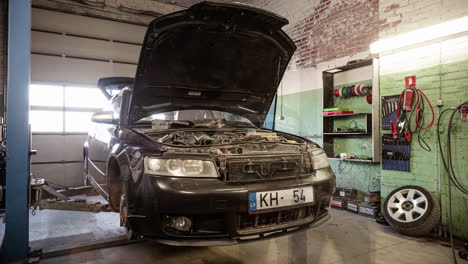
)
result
[(280, 198)]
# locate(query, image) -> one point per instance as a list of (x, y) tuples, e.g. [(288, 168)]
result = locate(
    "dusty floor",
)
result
[(347, 238)]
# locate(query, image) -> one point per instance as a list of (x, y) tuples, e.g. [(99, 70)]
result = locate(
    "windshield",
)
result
[(194, 118)]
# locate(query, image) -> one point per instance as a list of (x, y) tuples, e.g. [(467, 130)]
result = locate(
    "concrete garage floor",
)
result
[(347, 238)]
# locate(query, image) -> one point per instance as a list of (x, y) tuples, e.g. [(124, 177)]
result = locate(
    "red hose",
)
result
[(417, 106), (419, 109)]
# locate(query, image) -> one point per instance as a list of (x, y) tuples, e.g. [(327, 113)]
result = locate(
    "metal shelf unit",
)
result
[(371, 119)]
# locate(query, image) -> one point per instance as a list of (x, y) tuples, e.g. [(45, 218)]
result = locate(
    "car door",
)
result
[(100, 141)]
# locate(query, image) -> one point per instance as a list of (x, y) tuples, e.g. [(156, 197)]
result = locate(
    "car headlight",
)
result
[(319, 159), (180, 167)]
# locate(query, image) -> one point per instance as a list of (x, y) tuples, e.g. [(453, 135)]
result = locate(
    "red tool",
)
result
[(394, 130), (407, 135), (408, 100), (464, 113), (420, 95)]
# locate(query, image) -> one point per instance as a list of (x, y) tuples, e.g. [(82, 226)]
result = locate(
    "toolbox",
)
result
[(338, 203), (366, 209), (346, 193), (372, 197), (352, 206)]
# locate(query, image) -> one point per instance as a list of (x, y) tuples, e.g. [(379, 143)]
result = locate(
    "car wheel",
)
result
[(86, 181), (412, 210)]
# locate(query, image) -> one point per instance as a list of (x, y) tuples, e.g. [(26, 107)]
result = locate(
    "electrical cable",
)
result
[(447, 159), (341, 169), (418, 111), (450, 223), (448, 165), (459, 184), (449, 185)]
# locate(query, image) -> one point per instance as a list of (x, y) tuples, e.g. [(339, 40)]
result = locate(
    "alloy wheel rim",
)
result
[(407, 205)]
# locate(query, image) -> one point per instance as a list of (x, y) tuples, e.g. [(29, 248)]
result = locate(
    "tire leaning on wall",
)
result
[(412, 210)]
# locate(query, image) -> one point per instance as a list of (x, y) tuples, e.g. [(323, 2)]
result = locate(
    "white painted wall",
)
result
[(301, 80), (60, 156), (57, 149), (354, 75)]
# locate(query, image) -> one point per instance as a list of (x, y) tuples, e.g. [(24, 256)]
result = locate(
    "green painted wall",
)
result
[(268, 123), (302, 114), (448, 82)]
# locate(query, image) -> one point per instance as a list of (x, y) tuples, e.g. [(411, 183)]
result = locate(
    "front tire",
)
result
[(412, 210)]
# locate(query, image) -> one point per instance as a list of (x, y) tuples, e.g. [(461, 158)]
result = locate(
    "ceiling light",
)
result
[(438, 31), (334, 70)]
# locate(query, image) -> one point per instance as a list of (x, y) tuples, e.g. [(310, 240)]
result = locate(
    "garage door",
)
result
[(69, 54)]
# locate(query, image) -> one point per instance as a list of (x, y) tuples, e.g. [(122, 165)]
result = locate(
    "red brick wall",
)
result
[(327, 29), (335, 29)]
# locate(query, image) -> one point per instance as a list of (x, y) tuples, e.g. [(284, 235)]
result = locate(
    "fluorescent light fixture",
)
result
[(334, 70), (441, 30)]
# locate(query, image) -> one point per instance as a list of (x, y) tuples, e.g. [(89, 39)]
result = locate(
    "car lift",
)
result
[(15, 242), (61, 198), (42, 196), (21, 192)]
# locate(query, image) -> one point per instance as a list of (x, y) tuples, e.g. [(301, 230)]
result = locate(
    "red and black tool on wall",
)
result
[(412, 102), (404, 121)]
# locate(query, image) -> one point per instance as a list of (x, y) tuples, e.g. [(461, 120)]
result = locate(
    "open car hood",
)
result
[(106, 85), (212, 56)]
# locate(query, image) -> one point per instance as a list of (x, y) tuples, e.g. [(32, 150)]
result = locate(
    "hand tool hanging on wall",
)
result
[(412, 102), (389, 104), (396, 153)]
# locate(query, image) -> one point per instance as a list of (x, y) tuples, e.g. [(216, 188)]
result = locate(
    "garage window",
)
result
[(63, 108)]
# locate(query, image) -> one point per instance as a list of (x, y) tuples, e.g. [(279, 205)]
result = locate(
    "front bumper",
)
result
[(239, 240), (219, 211)]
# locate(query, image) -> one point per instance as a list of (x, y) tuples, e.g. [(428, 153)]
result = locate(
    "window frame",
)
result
[(64, 109)]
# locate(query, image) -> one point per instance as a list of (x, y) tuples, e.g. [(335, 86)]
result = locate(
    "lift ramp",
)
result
[(43, 196)]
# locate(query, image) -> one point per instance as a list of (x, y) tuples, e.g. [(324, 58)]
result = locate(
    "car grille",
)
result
[(252, 221), (263, 168)]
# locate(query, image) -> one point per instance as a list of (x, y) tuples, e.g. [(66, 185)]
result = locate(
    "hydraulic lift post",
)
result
[(16, 240)]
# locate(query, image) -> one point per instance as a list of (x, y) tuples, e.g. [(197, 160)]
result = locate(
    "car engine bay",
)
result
[(199, 138)]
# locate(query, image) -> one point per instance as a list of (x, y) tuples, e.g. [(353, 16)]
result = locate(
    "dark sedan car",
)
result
[(180, 151)]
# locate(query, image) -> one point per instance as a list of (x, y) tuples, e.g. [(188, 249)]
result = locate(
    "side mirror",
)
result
[(104, 117)]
